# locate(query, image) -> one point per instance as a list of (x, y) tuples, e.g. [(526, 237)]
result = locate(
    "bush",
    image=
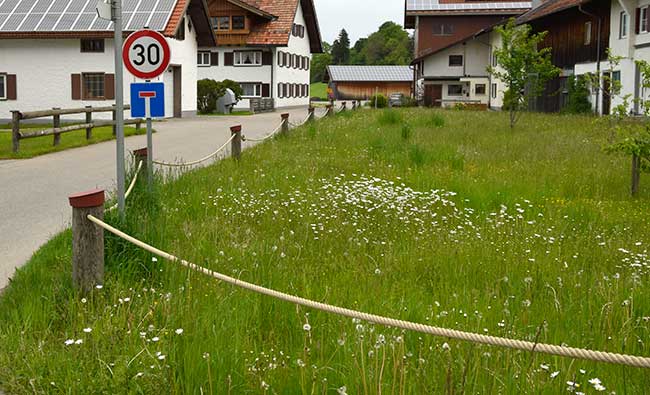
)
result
[(209, 91), (381, 100), (578, 100), (389, 117), (409, 101)]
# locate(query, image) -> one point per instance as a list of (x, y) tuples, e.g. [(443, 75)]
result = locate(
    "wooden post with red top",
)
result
[(311, 114), (87, 240)]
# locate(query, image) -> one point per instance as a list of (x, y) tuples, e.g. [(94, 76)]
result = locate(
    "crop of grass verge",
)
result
[(30, 148), (318, 89), (444, 218)]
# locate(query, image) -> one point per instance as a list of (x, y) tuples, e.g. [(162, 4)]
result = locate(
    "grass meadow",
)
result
[(30, 148), (445, 218), (318, 89)]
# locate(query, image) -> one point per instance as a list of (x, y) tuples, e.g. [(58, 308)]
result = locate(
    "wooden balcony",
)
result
[(232, 39)]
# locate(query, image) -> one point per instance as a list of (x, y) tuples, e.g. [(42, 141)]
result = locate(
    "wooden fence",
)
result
[(56, 130)]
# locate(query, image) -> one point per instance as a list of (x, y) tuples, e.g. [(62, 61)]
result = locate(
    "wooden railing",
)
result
[(56, 130)]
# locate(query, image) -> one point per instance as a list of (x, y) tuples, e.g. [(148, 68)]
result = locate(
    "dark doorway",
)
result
[(178, 92), (433, 95)]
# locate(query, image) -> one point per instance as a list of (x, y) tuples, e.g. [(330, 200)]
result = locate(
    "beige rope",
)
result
[(268, 136), (130, 189), (304, 121), (600, 356), (197, 161)]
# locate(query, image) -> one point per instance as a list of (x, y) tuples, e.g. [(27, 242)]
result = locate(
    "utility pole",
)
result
[(119, 103)]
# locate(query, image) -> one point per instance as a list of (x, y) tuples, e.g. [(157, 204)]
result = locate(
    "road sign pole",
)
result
[(119, 103), (147, 103)]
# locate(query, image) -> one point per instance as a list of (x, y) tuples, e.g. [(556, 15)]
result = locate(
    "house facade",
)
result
[(453, 48), (629, 39), (265, 46), (76, 50)]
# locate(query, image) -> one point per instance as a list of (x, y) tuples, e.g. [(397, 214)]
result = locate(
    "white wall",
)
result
[(261, 74), (44, 67), (184, 55), (300, 47), (476, 57)]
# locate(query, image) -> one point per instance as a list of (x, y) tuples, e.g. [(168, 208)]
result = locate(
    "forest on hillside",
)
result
[(390, 45)]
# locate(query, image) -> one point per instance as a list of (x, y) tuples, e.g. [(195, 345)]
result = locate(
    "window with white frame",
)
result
[(3, 86), (248, 58), (455, 60), (643, 20), (203, 59), (622, 27), (455, 90), (479, 89), (251, 89), (587, 38), (494, 91)]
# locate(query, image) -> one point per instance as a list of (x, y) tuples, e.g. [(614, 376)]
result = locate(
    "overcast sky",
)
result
[(359, 17)]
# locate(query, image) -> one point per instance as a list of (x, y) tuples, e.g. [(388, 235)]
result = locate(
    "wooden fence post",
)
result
[(89, 119), (330, 110), (285, 123), (236, 142), (311, 114), (56, 123), (636, 174), (114, 121), (344, 106), (15, 130), (87, 240)]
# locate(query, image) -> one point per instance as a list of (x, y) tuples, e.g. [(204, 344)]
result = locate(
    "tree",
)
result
[(356, 53), (341, 49), (319, 63), (390, 45), (521, 66), (632, 138), (578, 98)]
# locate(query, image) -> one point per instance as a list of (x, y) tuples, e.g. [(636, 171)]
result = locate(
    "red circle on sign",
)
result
[(131, 40)]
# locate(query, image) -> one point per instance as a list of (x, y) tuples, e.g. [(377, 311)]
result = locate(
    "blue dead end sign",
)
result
[(148, 100)]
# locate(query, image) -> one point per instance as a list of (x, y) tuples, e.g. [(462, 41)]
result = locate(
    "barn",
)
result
[(361, 82)]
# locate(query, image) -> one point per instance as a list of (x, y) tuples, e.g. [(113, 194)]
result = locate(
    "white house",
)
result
[(265, 46), (629, 38), (60, 54)]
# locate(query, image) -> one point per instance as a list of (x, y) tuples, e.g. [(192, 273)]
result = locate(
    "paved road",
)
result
[(33, 192)]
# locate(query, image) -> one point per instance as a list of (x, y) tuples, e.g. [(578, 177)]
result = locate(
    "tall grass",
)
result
[(467, 225)]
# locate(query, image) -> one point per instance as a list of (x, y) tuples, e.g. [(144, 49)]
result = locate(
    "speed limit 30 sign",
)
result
[(146, 54)]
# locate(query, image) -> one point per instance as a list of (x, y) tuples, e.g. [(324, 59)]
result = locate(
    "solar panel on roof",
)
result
[(435, 5), (80, 15)]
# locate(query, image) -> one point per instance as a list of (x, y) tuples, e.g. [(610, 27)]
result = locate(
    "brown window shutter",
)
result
[(109, 86), (228, 58), (267, 58), (76, 86), (287, 60), (308, 62), (638, 21), (266, 90), (214, 58), (280, 58), (12, 92)]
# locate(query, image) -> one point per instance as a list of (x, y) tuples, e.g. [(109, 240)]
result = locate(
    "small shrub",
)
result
[(209, 91), (389, 117), (578, 100), (407, 131), (381, 100), (408, 101)]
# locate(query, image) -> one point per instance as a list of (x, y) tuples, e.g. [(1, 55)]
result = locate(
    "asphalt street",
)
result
[(34, 192)]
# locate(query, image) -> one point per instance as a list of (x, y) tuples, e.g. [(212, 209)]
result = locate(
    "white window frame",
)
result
[(484, 89), (455, 95), (5, 92), (623, 25), (643, 20), (587, 37), (257, 59), (202, 55), (462, 61), (257, 90), (494, 90)]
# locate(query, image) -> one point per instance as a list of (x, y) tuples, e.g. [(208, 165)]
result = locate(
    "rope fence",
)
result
[(533, 347), (268, 136), (131, 186), (196, 162)]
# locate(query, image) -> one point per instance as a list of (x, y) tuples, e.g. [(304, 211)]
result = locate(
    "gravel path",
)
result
[(33, 192)]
